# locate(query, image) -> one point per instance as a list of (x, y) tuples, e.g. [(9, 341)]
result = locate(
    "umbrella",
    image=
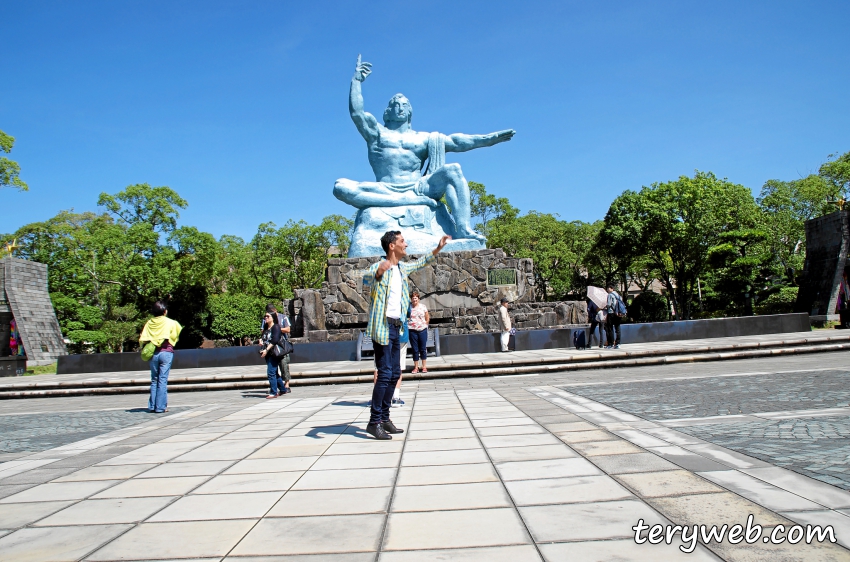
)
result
[(598, 295)]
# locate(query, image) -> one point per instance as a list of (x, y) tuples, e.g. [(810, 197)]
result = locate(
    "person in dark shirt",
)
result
[(272, 337)]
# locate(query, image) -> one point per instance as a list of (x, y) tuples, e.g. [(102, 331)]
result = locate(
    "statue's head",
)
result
[(398, 110)]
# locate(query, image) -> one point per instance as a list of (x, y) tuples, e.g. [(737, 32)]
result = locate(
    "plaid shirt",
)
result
[(378, 329)]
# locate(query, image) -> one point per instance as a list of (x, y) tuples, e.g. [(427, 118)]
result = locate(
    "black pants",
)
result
[(612, 326), (389, 371), (593, 324)]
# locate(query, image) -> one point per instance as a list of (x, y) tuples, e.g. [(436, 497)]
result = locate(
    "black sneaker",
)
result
[(377, 431), (390, 427)]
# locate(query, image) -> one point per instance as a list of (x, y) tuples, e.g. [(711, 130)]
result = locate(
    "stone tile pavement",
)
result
[(798, 420), (515, 468)]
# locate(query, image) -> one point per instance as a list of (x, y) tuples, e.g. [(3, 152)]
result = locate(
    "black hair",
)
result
[(158, 308), (609, 286), (504, 300), (271, 308), (273, 315), (388, 238)]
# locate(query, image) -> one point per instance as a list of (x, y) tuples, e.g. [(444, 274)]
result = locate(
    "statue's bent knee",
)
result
[(342, 189)]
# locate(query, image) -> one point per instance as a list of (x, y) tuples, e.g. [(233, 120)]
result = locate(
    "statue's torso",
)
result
[(397, 157)]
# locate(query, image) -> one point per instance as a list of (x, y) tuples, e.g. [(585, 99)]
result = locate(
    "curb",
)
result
[(543, 367)]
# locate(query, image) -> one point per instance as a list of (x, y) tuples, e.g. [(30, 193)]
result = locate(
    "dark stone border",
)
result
[(449, 345)]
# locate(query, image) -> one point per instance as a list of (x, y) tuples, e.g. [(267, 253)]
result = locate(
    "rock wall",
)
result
[(455, 289)]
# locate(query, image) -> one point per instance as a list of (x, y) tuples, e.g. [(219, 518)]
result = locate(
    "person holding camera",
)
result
[(272, 337)]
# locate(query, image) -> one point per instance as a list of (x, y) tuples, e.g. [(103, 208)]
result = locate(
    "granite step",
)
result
[(500, 365)]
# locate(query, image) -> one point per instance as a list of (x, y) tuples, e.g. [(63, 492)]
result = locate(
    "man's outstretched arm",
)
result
[(365, 122), (460, 142)]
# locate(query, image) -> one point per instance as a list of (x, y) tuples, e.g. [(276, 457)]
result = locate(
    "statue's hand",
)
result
[(425, 200), (362, 70), (503, 136)]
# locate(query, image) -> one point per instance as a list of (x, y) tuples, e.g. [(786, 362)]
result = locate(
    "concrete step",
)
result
[(503, 365)]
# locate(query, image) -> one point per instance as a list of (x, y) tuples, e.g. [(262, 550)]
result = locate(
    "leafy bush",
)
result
[(648, 307), (781, 302)]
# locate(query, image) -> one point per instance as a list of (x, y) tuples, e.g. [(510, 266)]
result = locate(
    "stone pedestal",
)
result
[(461, 290), (421, 226)]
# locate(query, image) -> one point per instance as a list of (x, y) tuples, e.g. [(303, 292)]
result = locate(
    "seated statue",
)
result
[(397, 155)]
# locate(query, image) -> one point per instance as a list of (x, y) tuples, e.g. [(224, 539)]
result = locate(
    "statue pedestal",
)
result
[(421, 226), (461, 291)]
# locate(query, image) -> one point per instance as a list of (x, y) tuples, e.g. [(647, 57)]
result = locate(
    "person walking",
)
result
[(389, 301), (595, 320), (285, 330), (163, 332), (272, 337), (418, 324), (614, 317), (504, 323)]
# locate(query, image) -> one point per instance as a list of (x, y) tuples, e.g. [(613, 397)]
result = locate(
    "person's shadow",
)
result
[(319, 432)]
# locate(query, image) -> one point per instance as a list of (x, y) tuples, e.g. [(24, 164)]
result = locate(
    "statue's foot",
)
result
[(469, 233)]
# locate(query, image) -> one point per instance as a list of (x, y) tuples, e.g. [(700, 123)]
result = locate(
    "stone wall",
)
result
[(25, 287), (455, 289)]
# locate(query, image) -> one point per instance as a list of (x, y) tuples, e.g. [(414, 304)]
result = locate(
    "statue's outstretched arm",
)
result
[(365, 122), (460, 142)]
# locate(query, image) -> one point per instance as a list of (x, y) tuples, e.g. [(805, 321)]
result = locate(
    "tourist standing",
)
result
[(418, 324), (613, 321), (285, 330), (595, 320), (504, 323), (163, 332), (272, 337), (390, 299)]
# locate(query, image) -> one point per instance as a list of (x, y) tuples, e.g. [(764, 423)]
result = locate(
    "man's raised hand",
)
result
[(362, 70), (442, 244), (502, 136)]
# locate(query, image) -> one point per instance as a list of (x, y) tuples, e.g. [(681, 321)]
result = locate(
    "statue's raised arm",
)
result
[(364, 121), (460, 142)]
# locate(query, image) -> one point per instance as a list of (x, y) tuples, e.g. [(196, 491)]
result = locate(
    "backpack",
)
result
[(579, 339), (621, 307)]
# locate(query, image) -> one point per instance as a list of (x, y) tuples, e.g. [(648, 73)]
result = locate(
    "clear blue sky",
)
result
[(242, 106)]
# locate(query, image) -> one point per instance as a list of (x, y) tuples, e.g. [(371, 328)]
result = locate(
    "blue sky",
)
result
[(242, 106)]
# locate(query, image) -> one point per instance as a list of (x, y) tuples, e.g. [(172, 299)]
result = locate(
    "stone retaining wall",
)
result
[(455, 289)]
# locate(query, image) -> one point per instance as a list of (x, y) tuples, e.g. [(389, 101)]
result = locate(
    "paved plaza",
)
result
[(551, 467)]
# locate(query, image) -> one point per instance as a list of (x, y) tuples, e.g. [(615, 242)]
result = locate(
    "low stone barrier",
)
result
[(449, 345)]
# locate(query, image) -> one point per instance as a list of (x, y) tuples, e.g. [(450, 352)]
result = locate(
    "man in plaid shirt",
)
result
[(390, 300)]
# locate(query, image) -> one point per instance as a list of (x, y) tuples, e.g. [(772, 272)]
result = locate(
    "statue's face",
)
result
[(398, 110)]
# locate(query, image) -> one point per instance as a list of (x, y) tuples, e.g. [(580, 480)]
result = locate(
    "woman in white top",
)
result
[(418, 326)]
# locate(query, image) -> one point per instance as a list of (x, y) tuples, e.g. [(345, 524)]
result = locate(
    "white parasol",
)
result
[(598, 295)]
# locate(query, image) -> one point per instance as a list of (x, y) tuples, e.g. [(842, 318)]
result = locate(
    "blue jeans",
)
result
[(275, 381), (160, 367), (389, 370), (419, 342)]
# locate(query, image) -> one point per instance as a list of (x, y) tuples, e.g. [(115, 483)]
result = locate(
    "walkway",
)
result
[(516, 468)]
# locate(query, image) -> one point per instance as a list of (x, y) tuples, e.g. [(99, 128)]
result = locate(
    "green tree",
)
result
[(485, 208), (9, 169), (836, 171), (295, 255), (674, 225), (236, 316), (158, 207), (557, 247)]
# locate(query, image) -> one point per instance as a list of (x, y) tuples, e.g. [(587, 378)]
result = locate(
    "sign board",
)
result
[(501, 277)]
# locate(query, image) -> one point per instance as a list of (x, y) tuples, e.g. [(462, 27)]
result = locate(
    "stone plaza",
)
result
[(549, 466)]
